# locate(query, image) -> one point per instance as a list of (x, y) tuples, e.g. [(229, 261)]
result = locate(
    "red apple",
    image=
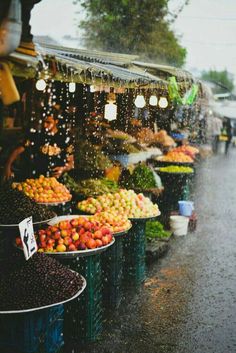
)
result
[(42, 238), (91, 244), (57, 235), (99, 243), (98, 234), (84, 238), (81, 246), (87, 225), (53, 229), (50, 242), (109, 236), (82, 231), (72, 247), (64, 233), (48, 232), (76, 243), (18, 241), (67, 241), (74, 222), (105, 240), (60, 241), (43, 244), (105, 231)]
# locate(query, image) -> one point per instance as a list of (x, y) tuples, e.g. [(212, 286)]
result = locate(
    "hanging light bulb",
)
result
[(41, 85), (72, 87), (110, 112), (140, 101), (163, 102), (92, 89), (153, 100)]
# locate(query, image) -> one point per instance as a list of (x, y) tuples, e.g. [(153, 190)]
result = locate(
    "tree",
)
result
[(134, 27), (223, 80)]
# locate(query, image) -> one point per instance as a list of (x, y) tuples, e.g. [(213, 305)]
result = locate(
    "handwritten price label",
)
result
[(27, 237)]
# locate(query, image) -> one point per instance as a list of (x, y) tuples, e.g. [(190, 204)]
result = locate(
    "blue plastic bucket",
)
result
[(186, 208)]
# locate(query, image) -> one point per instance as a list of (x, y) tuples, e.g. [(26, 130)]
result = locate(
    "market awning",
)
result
[(91, 67)]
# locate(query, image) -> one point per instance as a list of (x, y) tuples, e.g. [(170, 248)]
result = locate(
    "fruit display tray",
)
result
[(123, 232), (51, 305), (69, 217), (54, 203), (80, 253)]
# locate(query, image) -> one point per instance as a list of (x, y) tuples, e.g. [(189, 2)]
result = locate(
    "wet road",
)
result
[(188, 302)]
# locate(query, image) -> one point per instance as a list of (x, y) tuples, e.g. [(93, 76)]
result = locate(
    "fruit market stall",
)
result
[(78, 241), (138, 209), (107, 89)]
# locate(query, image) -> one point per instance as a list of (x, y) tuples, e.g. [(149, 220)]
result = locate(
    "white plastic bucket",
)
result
[(179, 225)]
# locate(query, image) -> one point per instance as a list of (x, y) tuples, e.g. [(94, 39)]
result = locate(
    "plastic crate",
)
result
[(134, 254), (40, 331), (84, 316), (112, 265)]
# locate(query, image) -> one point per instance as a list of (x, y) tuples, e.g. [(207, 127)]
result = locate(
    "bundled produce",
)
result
[(120, 147), (143, 177), (176, 169), (44, 190), (71, 235), (120, 135), (38, 282), (124, 202), (155, 229), (173, 156), (90, 158), (116, 222), (15, 206), (90, 187)]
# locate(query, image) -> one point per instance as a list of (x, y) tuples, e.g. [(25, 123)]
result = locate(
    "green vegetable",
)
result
[(155, 229), (143, 178), (90, 187)]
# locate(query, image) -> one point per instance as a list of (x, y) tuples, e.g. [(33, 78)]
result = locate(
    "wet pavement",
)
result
[(188, 301)]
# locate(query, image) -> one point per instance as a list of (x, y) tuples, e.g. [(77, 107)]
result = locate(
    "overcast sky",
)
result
[(207, 28)]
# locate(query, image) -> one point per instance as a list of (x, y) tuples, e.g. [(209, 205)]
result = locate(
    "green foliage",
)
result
[(223, 80), (132, 27), (155, 229), (143, 177)]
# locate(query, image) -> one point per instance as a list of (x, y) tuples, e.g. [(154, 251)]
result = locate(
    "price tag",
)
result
[(27, 237)]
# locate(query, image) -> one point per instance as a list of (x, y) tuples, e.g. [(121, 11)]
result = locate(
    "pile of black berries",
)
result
[(15, 206), (38, 282)]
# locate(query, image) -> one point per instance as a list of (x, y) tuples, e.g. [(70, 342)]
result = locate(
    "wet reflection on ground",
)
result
[(188, 302)]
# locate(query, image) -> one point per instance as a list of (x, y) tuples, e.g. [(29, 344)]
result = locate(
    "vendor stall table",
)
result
[(84, 317), (135, 252), (177, 187), (112, 265), (35, 330)]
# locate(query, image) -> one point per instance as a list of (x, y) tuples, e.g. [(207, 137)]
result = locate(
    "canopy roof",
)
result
[(95, 67)]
